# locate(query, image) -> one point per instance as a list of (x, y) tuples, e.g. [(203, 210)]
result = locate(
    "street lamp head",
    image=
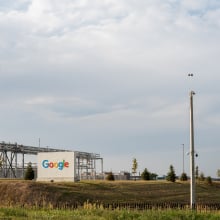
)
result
[(192, 93)]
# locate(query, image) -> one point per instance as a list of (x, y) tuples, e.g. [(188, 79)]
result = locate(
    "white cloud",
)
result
[(40, 101), (109, 73)]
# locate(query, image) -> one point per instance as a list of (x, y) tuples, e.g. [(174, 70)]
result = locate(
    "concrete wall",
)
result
[(56, 166)]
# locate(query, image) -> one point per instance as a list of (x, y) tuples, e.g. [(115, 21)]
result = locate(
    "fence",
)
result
[(159, 206), (141, 206)]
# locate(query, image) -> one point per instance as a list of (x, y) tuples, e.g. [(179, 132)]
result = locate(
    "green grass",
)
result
[(102, 214), (37, 200)]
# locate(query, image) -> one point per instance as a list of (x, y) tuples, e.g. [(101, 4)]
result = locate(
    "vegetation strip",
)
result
[(107, 193), (92, 213)]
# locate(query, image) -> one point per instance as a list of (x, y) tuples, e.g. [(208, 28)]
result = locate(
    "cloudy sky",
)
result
[(111, 77)]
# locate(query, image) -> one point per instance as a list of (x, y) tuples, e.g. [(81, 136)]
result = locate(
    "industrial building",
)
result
[(68, 165)]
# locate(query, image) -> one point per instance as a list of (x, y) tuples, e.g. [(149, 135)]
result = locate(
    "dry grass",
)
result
[(30, 193)]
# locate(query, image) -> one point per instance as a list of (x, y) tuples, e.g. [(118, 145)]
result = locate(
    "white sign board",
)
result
[(56, 166)]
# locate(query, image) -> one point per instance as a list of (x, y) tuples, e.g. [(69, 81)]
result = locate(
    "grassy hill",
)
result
[(31, 193)]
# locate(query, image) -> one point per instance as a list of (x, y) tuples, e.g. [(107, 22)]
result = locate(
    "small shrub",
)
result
[(145, 175), (183, 177), (209, 180), (110, 177), (29, 174), (201, 177)]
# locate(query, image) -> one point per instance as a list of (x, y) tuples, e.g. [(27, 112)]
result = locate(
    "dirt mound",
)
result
[(28, 193)]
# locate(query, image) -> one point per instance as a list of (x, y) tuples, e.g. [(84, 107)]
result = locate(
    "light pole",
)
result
[(192, 155)]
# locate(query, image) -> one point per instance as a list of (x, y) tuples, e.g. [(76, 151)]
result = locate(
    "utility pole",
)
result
[(192, 155)]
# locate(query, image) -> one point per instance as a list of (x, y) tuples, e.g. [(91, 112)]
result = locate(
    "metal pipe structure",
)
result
[(9, 152), (192, 156)]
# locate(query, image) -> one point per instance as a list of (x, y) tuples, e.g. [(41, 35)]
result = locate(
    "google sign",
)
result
[(59, 165)]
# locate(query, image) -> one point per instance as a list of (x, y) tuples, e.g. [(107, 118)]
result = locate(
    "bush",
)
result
[(110, 177), (202, 176), (171, 176), (29, 174), (183, 177), (145, 175), (209, 180)]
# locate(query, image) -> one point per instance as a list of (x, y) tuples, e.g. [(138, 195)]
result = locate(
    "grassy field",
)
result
[(101, 214), (21, 199), (31, 193)]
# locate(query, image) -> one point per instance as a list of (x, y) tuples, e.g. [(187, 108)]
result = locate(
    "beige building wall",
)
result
[(56, 166)]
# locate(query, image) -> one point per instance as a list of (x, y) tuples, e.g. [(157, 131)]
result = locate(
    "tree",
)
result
[(29, 174), (171, 176), (134, 166), (145, 175), (110, 177), (209, 180), (153, 176), (218, 172), (201, 176), (183, 177)]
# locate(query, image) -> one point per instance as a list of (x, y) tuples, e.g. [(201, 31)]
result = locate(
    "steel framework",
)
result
[(86, 165), (12, 160)]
